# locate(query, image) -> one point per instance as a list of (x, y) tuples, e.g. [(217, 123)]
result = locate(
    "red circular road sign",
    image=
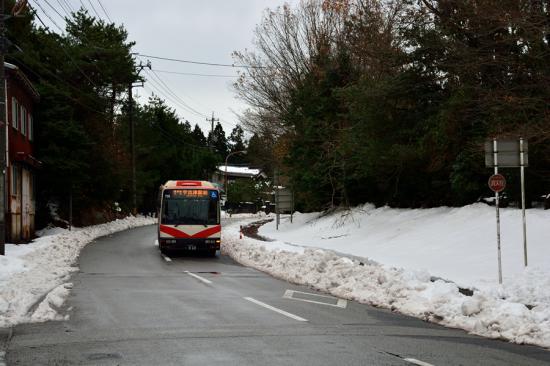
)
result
[(497, 183)]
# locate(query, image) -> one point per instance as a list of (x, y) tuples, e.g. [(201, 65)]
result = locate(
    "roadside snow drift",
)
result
[(33, 276), (332, 254)]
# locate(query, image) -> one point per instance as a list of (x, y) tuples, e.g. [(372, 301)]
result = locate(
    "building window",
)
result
[(14, 180), (24, 120), (14, 112), (31, 127)]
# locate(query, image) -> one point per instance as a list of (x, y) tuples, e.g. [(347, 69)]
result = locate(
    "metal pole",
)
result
[(522, 170), (277, 212), (225, 178), (495, 157), (3, 135), (292, 203)]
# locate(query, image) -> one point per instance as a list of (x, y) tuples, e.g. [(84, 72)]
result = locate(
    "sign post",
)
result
[(522, 170), (507, 154), (284, 202), (497, 189)]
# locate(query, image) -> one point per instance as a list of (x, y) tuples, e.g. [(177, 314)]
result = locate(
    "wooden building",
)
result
[(21, 164)]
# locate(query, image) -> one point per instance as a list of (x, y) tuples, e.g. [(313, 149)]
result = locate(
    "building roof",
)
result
[(239, 171), (24, 79)]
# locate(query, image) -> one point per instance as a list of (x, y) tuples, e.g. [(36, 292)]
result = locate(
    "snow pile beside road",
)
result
[(492, 311), (33, 276), (457, 244)]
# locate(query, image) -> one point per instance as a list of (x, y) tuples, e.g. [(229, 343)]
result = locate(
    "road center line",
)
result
[(417, 362), (202, 279), (295, 317), (167, 259)]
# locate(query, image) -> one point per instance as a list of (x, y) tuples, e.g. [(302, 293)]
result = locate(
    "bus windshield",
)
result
[(190, 207)]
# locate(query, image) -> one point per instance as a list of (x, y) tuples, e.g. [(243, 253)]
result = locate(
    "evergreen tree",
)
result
[(198, 136), (218, 141), (236, 143)]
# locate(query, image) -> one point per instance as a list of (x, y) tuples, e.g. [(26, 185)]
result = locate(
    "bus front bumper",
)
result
[(190, 244)]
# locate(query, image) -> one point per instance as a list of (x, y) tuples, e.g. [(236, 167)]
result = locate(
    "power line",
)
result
[(199, 62), (67, 83), (93, 8), (62, 48), (175, 95), (64, 17), (83, 6), (181, 101), (193, 74), (68, 6), (47, 15), (105, 11), (161, 91), (170, 137), (63, 5), (157, 89)]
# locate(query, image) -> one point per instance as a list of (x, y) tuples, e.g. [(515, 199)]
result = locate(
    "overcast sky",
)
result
[(204, 31)]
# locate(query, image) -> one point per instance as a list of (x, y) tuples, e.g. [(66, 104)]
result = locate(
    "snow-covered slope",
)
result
[(457, 244)]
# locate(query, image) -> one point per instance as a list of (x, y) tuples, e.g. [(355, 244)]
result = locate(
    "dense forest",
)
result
[(390, 102), (82, 134)]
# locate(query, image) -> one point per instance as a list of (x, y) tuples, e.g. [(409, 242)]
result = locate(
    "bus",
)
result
[(189, 216)]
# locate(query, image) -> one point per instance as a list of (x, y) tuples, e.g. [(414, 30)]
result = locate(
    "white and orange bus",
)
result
[(189, 216)]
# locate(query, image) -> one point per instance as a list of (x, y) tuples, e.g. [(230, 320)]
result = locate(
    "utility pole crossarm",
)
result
[(212, 120)]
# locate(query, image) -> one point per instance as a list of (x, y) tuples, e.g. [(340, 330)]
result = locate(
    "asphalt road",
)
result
[(131, 306)]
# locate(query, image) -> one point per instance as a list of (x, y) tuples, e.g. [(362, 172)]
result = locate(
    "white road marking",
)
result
[(167, 259), (339, 304), (199, 277), (295, 317), (417, 362)]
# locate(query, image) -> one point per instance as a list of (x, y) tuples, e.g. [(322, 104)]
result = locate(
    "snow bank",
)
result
[(33, 276), (423, 237), (458, 244)]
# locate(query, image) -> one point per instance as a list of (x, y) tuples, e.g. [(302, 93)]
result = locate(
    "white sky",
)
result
[(204, 31)]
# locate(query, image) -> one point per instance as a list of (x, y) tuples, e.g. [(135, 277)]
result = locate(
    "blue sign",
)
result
[(214, 194)]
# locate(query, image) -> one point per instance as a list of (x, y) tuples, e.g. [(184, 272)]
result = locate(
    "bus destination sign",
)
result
[(189, 193)]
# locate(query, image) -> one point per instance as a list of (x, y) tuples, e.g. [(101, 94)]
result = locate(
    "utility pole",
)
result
[(3, 130), (212, 120), (132, 147), (139, 69)]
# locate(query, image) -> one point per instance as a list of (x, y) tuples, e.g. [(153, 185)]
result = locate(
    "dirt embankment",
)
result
[(251, 230)]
